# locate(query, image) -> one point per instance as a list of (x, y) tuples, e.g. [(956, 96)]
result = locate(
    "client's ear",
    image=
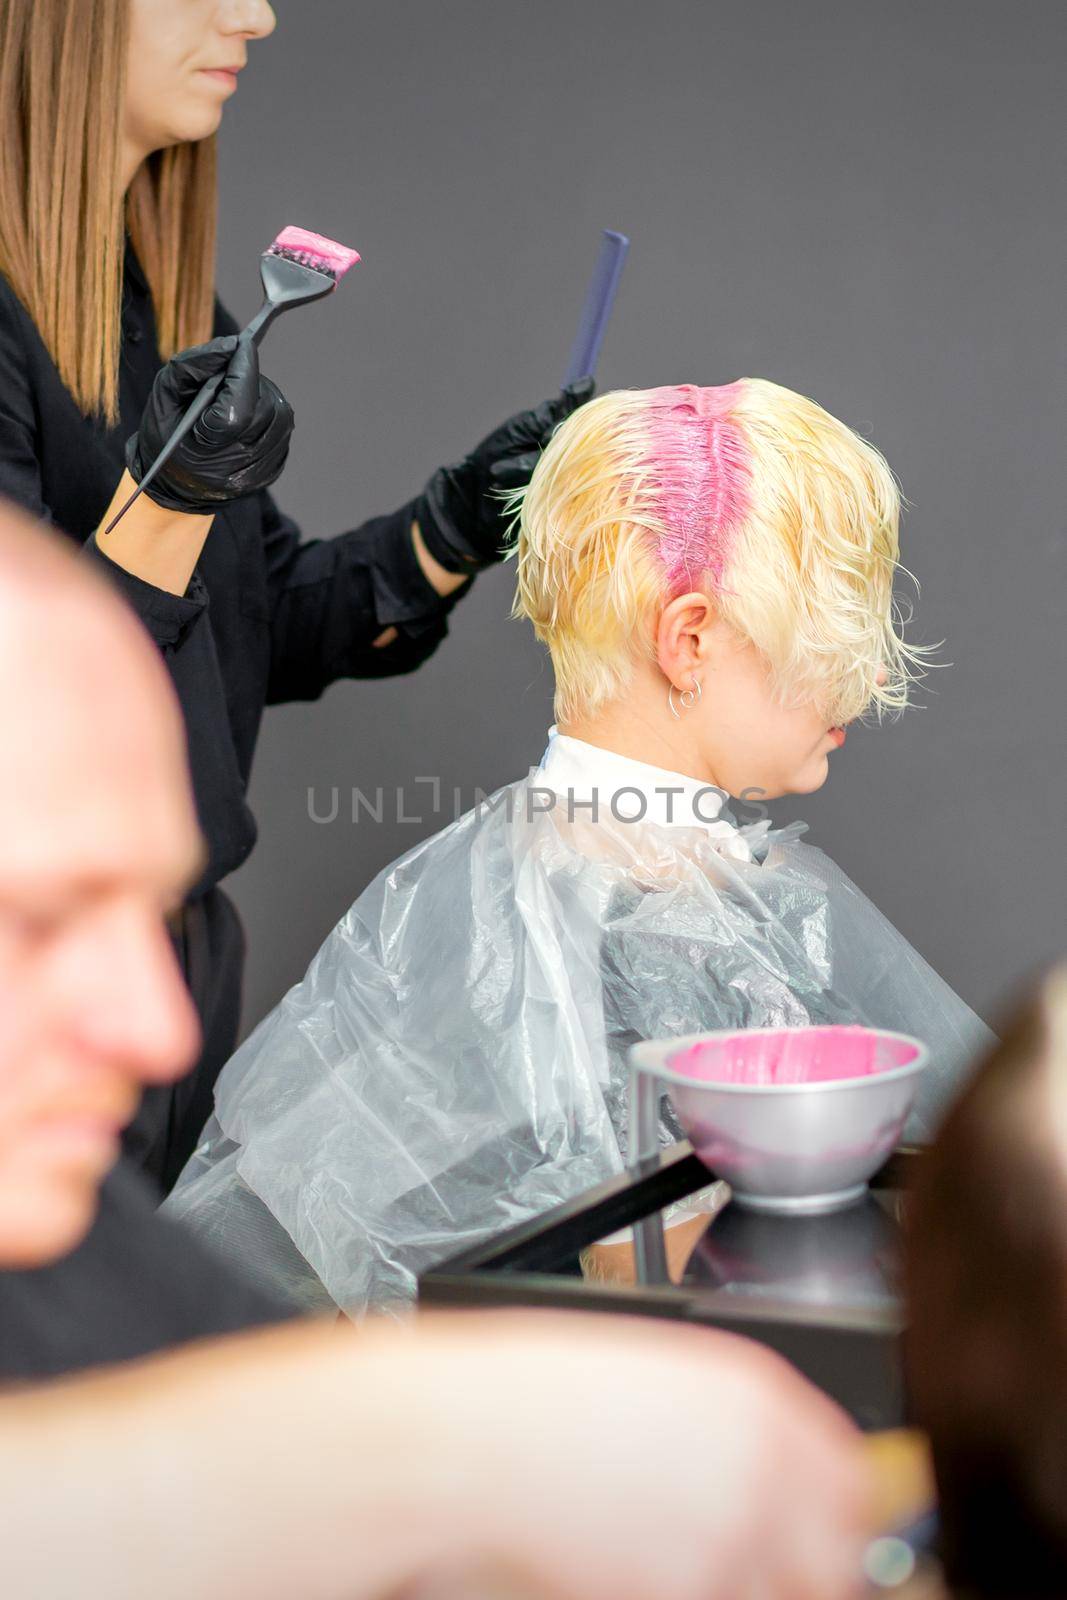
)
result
[(687, 638)]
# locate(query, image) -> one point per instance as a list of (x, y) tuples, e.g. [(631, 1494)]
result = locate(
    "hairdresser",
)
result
[(107, 242)]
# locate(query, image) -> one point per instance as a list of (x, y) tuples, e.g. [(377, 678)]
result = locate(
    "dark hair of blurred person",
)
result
[(987, 1284)]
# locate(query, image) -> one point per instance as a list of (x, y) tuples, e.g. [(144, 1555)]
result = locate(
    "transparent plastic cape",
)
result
[(454, 1060)]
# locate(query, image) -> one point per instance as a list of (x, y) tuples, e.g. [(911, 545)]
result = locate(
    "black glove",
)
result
[(459, 511), (239, 445)]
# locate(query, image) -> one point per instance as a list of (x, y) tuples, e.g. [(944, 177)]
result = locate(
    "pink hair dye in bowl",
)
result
[(778, 1058), (700, 468), (796, 1120)]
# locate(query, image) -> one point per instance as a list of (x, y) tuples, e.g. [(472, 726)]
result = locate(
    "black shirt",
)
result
[(265, 619), (138, 1284)]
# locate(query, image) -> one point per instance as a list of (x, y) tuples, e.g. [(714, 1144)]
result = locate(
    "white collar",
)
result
[(635, 791)]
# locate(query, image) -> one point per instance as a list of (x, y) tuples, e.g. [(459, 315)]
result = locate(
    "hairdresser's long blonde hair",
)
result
[(62, 92)]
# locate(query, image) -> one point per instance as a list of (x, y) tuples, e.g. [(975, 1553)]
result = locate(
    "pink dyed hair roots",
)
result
[(700, 465)]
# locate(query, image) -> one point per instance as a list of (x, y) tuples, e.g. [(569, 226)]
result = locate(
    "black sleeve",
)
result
[(137, 1284), (167, 617), (20, 472), (331, 598)]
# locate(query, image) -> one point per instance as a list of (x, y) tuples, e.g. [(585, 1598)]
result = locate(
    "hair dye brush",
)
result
[(596, 312), (299, 267)]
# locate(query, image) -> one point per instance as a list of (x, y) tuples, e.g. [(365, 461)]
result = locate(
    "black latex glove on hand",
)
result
[(239, 445), (460, 512)]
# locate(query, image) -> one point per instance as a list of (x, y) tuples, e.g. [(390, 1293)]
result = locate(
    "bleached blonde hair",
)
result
[(749, 493)]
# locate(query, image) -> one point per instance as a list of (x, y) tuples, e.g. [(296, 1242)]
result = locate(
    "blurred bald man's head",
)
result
[(987, 1286), (98, 841)]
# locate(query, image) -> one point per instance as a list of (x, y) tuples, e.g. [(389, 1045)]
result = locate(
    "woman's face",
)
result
[(183, 64), (750, 741), (748, 738), (737, 735)]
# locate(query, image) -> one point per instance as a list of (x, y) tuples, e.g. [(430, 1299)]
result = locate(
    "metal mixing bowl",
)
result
[(805, 1145)]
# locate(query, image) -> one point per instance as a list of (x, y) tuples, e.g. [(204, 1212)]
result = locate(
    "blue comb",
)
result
[(596, 313)]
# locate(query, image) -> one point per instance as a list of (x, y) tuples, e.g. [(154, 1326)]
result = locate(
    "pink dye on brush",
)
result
[(700, 466), (312, 250), (781, 1057)]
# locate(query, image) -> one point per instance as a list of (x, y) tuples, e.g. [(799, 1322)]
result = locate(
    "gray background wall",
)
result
[(862, 201)]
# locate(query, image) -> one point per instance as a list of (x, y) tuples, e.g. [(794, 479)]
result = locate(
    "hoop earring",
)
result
[(687, 698)]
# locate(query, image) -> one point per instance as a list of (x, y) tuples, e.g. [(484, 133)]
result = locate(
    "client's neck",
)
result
[(645, 733)]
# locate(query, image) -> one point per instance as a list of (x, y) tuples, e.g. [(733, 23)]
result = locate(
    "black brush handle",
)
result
[(286, 284), (197, 407), (207, 393)]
